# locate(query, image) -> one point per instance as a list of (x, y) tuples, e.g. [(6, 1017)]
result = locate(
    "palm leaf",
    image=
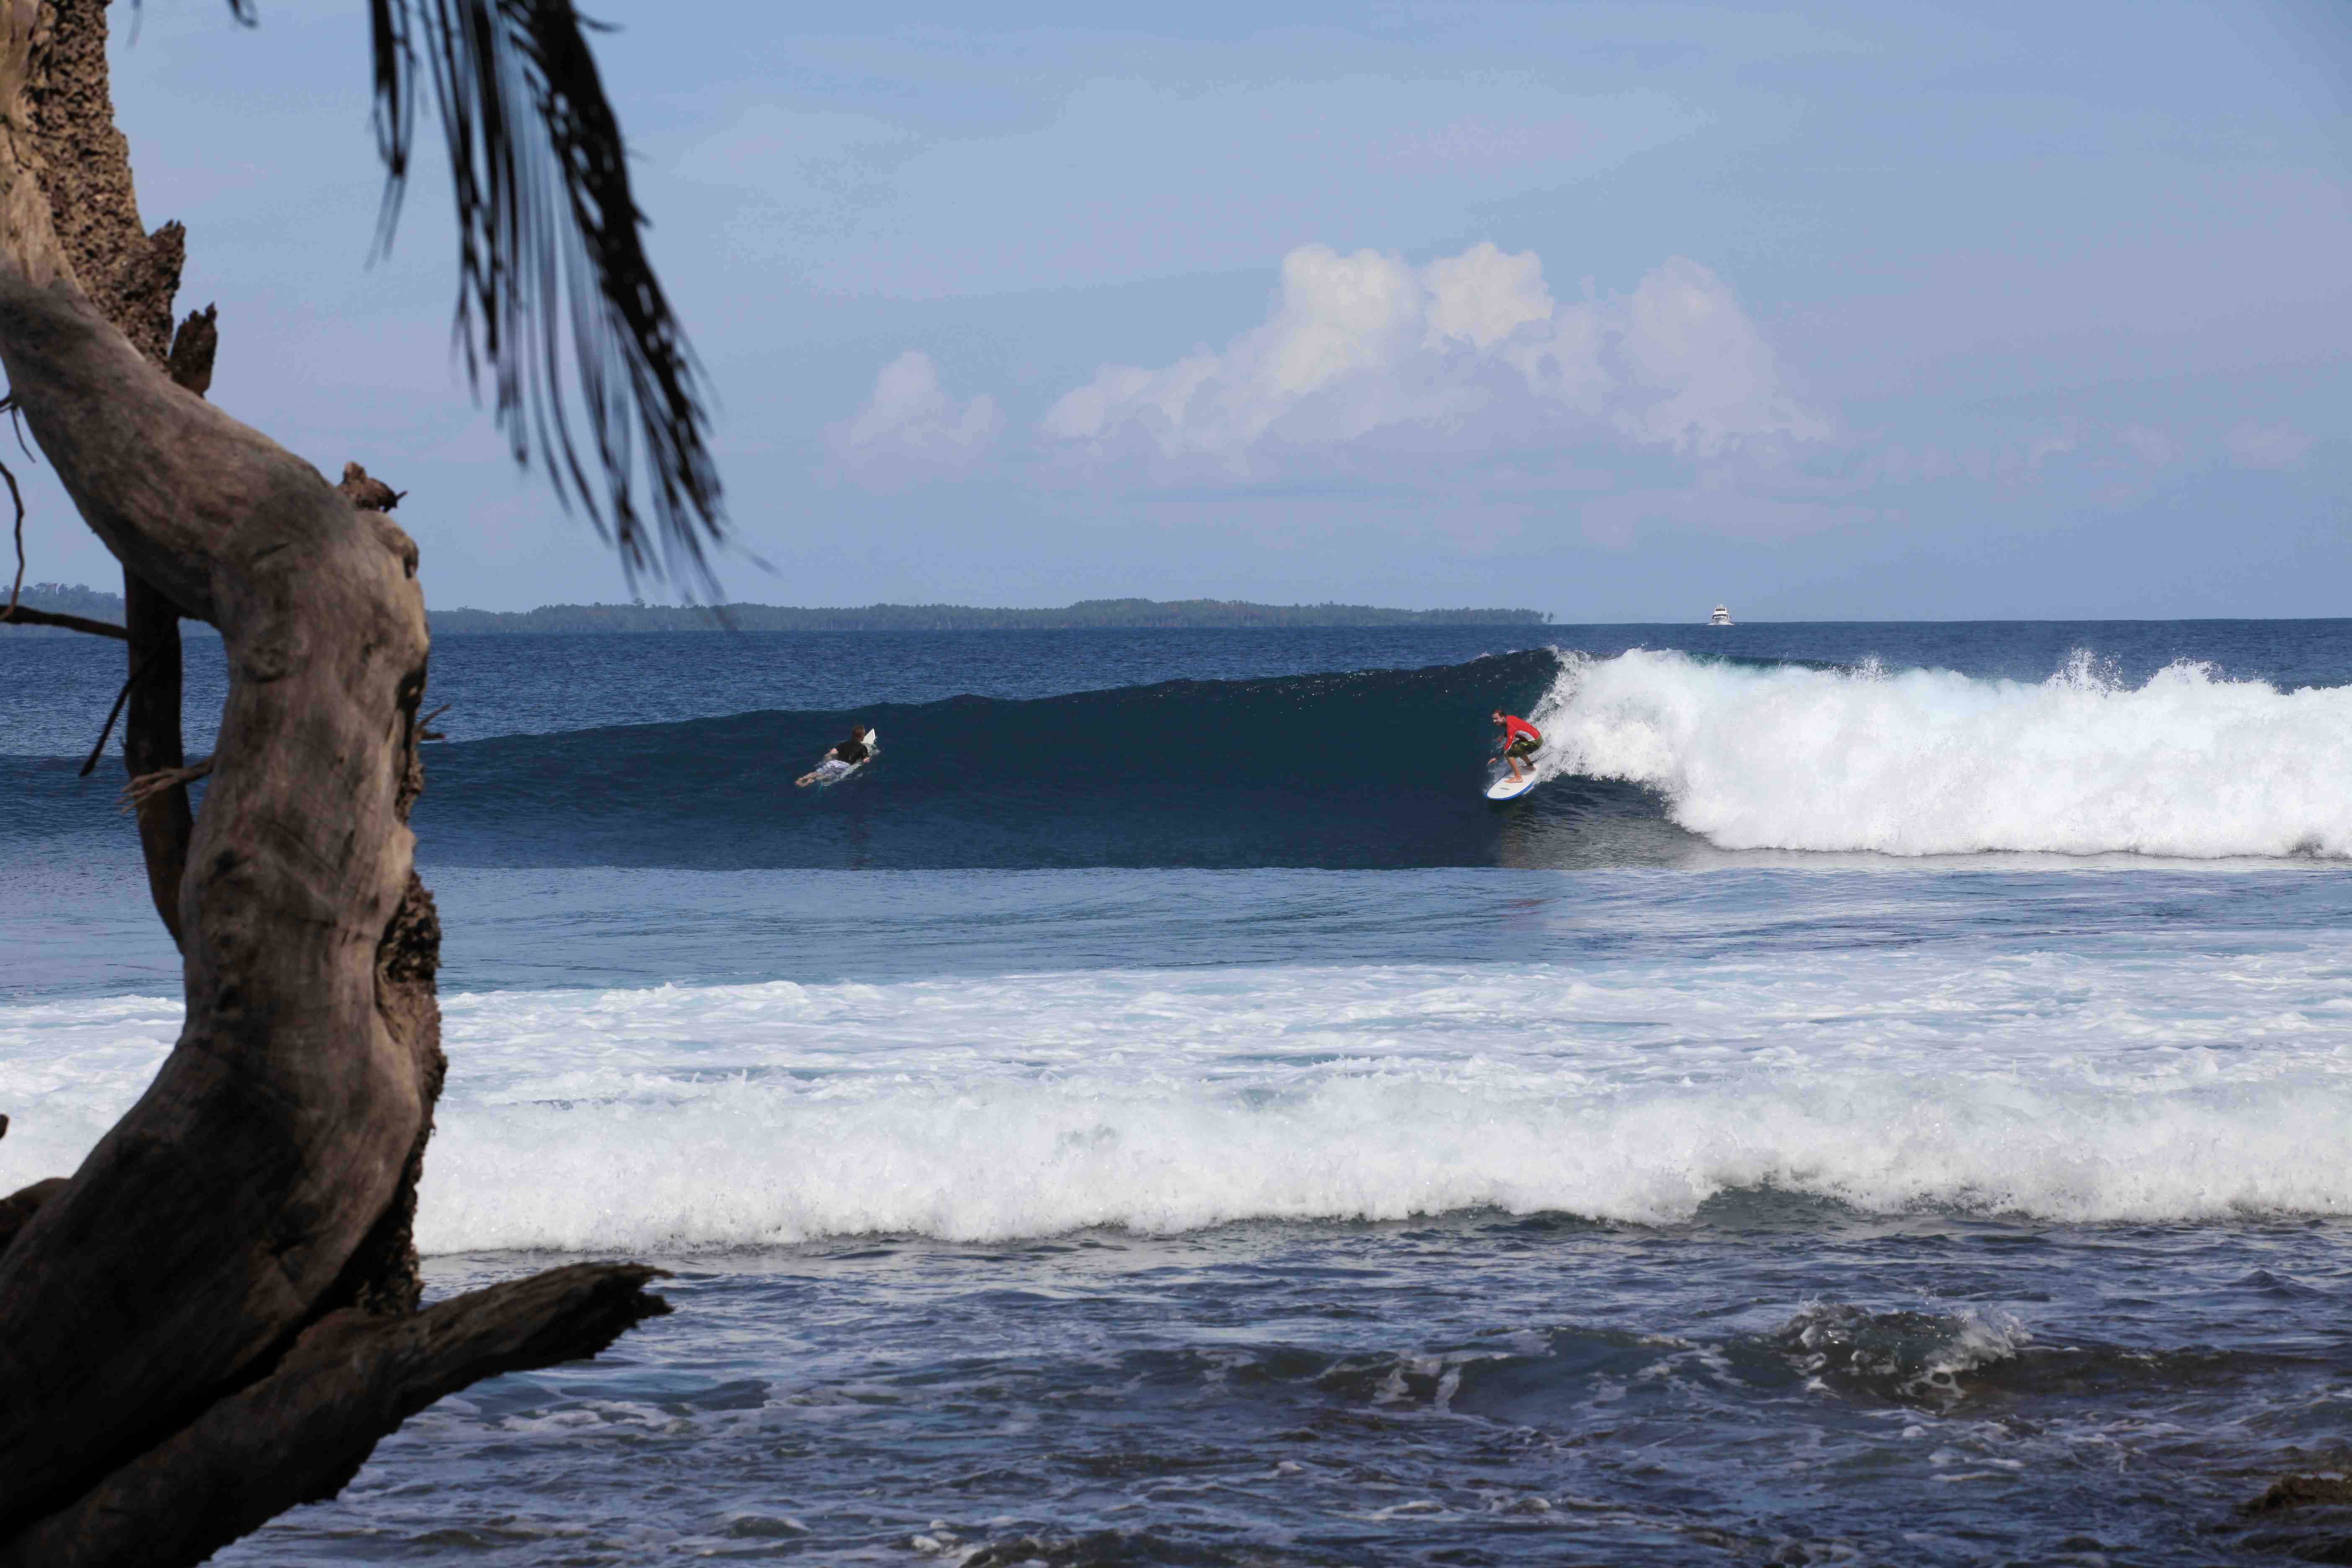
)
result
[(554, 285)]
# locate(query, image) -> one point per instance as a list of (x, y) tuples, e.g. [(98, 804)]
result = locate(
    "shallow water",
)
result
[(1775, 1381)]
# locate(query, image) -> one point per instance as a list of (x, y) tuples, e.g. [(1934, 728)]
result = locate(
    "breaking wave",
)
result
[(1652, 758), (1927, 762), (2066, 1087)]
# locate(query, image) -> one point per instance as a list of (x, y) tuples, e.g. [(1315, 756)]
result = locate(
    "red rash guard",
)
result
[(1515, 728)]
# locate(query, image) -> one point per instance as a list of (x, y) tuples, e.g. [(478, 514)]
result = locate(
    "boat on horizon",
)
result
[(1722, 617)]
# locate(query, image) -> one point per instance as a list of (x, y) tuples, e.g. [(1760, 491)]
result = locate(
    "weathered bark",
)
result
[(150, 742), (20, 1205), (302, 1432), (150, 733), (230, 1272)]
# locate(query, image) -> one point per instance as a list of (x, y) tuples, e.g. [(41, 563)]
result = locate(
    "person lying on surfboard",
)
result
[(841, 759), (1520, 738)]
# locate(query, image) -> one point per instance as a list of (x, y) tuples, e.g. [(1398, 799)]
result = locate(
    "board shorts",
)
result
[(833, 768), (1521, 746)]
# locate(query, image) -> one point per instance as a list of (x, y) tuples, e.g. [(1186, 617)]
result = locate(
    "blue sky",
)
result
[(1867, 311)]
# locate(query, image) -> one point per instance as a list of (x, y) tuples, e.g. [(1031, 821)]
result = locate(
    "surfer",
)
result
[(1520, 738), (848, 755)]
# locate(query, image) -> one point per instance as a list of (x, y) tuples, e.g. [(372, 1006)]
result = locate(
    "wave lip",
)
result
[(1931, 763)]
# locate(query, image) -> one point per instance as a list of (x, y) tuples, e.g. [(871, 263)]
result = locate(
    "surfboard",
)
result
[(873, 749), (1509, 788)]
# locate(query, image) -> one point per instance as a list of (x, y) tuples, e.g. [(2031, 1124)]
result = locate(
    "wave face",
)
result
[(2073, 1087), (1647, 754), (1373, 770), (1783, 756)]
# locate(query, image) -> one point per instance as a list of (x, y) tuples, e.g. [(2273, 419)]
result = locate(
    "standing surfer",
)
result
[(1520, 738)]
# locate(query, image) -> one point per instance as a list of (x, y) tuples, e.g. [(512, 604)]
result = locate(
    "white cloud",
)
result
[(910, 427), (1469, 352), (2267, 446), (1484, 296), (1344, 319), (1720, 389)]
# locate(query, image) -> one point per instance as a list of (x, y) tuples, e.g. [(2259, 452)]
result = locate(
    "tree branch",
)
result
[(19, 1206), (26, 616), (299, 1434), (152, 746), (144, 789), (213, 1317)]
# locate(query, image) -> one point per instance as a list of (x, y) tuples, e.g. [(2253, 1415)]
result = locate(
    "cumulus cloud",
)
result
[(1466, 352), (2267, 446), (911, 427)]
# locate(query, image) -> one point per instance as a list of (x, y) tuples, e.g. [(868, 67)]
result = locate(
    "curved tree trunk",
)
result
[(230, 1272)]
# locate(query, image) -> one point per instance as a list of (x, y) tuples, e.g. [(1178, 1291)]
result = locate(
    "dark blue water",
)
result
[(54, 691), (1315, 748)]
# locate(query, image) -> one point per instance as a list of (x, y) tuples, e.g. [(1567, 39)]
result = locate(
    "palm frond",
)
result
[(554, 285)]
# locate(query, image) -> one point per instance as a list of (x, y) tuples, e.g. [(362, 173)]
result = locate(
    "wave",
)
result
[(742, 1163), (1927, 762), (1650, 758), (2077, 1089), (1366, 770)]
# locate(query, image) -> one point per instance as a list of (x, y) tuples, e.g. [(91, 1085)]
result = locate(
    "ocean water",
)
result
[(1886, 1097)]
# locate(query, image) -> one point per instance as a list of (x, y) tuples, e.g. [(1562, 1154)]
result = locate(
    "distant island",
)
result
[(1103, 614), (1098, 613), (60, 600)]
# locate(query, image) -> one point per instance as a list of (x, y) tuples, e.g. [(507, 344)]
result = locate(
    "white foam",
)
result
[(2101, 1086), (1931, 763)]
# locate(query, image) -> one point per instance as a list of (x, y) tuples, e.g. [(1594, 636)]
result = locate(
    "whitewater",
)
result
[(1931, 762), (2085, 1087)]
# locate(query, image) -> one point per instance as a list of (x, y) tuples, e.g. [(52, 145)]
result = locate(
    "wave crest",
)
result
[(1930, 763)]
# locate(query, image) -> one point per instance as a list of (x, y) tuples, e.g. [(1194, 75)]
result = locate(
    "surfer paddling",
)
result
[(1520, 738), (843, 757)]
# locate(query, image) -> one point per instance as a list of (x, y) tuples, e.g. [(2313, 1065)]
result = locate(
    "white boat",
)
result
[(1722, 617)]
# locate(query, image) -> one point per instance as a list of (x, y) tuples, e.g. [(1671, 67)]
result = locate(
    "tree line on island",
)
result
[(1087, 614)]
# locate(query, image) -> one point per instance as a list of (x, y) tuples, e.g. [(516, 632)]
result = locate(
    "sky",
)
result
[(1872, 312)]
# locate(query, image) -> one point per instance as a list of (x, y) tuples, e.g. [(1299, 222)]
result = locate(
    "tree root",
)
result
[(300, 1433)]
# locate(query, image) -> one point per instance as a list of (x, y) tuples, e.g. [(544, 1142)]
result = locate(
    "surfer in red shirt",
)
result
[(1520, 738)]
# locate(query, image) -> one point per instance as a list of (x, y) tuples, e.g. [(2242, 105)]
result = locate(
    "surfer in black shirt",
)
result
[(841, 759)]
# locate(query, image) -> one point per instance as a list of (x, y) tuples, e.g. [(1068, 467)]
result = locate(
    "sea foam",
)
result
[(2083, 1088), (1930, 763)]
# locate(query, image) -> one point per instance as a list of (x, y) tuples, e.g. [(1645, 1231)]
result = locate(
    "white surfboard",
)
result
[(1509, 788), (873, 749)]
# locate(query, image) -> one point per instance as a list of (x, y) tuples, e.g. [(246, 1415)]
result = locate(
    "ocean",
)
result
[(1884, 1097)]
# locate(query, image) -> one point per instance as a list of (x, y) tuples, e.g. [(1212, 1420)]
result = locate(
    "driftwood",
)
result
[(216, 1316), (300, 1433)]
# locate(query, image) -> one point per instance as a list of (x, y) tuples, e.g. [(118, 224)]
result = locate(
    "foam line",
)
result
[(2123, 1084)]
